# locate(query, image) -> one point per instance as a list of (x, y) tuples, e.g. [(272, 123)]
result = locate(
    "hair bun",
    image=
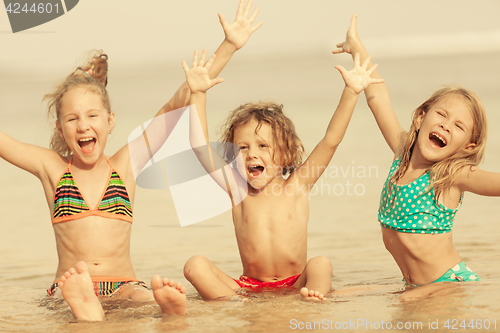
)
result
[(97, 67)]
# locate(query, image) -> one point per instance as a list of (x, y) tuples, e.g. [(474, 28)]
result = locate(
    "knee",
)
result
[(193, 265), (321, 262)]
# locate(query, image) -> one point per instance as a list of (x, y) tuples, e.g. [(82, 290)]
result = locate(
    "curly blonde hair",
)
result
[(94, 77), (286, 143), (445, 172)]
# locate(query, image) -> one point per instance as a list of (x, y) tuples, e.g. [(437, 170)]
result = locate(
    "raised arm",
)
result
[(199, 82), (356, 80), (377, 95), (236, 36), (28, 157)]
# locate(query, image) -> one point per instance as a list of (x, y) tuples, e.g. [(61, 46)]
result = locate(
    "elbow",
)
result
[(331, 144)]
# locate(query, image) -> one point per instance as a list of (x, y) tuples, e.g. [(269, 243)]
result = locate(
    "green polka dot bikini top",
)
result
[(412, 207)]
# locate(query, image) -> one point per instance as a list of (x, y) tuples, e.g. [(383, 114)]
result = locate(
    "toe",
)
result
[(81, 267), (156, 282), (164, 281)]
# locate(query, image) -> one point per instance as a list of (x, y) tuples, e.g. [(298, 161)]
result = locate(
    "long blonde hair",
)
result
[(286, 142), (444, 173), (93, 76)]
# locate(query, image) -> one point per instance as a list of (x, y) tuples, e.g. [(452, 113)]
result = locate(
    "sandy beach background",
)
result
[(419, 47)]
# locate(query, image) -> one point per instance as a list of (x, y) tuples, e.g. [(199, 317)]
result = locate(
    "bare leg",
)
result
[(171, 297), (78, 291), (208, 279), (316, 279)]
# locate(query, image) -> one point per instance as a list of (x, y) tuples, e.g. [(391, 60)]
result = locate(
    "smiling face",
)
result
[(444, 130), (84, 124), (256, 146)]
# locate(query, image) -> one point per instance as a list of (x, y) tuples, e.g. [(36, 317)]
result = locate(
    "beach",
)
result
[(343, 222)]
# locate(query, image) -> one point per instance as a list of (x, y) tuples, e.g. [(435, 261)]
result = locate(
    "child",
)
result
[(91, 196), (435, 163), (271, 221)]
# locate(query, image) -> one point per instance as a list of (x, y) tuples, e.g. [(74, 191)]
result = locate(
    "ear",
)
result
[(418, 121), (59, 129), (468, 148), (111, 121)]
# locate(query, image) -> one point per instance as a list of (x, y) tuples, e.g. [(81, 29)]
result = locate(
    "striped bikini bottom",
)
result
[(105, 286)]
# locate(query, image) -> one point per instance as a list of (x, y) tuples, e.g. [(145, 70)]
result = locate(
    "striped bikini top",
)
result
[(70, 205)]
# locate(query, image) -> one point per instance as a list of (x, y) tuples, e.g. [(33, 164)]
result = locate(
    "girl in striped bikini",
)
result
[(91, 196)]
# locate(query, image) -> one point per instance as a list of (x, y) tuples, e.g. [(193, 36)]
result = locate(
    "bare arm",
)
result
[(478, 181), (377, 96), (199, 82), (236, 36), (28, 157), (356, 81)]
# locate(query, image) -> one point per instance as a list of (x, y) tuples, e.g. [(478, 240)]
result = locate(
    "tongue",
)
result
[(87, 146), (436, 143), (256, 172)]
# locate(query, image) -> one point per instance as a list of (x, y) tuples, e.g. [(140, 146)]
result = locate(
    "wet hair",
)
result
[(445, 172), (94, 77), (286, 144)]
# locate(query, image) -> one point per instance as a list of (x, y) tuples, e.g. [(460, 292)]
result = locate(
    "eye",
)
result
[(263, 145), (243, 147), (440, 113), (460, 127)]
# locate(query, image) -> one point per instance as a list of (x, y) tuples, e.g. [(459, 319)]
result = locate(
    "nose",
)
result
[(83, 125), (251, 154), (445, 126)]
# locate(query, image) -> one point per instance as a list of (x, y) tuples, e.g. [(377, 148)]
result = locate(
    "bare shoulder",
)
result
[(121, 161), (53, 166), (121, 164), (294, 187)]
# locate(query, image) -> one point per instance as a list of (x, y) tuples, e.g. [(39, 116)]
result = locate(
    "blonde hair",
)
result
[(285, 140), (443, 173), (94, 77)]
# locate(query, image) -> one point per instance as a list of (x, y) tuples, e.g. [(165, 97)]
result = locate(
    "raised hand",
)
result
[(197, 77), (351, 40), (241, 29), (359, 78)]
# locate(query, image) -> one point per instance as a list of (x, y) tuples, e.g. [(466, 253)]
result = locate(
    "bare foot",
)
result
[(311, 295), (78, 291), (171, 297)]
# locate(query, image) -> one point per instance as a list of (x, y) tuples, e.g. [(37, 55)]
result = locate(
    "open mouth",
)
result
[(87, 144), (255, 170), (437, 141)]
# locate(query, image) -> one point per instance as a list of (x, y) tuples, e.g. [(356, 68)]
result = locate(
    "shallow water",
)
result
[(342, 226)]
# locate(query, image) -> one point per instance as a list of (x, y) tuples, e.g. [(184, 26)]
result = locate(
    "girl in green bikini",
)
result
[(435, 163)]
